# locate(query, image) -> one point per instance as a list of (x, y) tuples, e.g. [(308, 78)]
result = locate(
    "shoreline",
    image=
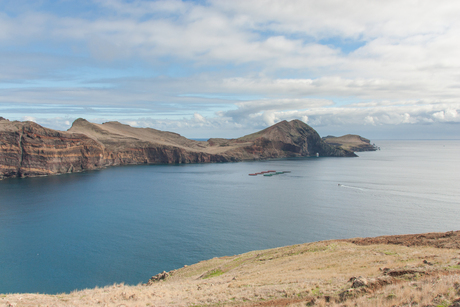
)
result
[(326, 272), (31, 150)]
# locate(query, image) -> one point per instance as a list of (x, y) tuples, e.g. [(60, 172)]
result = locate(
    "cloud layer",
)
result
[(222, 68)]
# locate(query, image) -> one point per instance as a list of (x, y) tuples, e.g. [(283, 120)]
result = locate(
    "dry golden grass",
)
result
[(438, 290), (301, 275)]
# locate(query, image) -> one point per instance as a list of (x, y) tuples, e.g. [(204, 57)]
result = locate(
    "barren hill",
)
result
[(28, 149), (115, 135)]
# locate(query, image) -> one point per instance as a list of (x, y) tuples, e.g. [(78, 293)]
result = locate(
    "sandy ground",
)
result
[(319, 274)]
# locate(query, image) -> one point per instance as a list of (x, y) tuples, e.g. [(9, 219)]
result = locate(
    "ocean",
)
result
[(125, 224)]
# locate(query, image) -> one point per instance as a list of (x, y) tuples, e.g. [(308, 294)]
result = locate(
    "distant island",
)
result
[(351, 142), (28, 149)]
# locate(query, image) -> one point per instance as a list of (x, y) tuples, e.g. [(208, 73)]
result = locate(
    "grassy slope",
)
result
[(307, 274)]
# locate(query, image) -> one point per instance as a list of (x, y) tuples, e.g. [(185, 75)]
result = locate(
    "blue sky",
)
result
[(381, 69)]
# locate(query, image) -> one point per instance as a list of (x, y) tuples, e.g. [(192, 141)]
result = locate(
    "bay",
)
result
[(125, 224)]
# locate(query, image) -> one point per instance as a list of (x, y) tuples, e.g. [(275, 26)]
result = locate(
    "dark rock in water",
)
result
[(28, 149)]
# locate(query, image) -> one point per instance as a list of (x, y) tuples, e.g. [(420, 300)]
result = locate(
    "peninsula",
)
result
[(28, 149)]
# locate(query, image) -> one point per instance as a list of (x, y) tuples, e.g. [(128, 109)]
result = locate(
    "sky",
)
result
[(380, 69)]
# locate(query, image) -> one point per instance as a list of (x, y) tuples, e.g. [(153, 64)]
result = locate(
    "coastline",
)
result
[(30, 150), (324, 273)]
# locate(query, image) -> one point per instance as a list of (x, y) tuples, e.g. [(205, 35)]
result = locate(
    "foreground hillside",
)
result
[(28, 149), (409, 270)]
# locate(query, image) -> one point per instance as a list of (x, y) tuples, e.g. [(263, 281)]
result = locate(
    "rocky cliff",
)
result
[(28, 149), (351, 142)]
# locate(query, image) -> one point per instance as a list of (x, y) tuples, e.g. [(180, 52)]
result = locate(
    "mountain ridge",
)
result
[(28, 149)]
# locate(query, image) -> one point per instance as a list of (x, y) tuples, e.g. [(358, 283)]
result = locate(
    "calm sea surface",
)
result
[(125, 224)]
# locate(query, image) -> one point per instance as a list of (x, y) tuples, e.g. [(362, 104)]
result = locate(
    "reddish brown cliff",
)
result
[(28, 149)]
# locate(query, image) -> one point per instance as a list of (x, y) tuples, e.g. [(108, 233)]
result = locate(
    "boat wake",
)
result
[(350, 187)]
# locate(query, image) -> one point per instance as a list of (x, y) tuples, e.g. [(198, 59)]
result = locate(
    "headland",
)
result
[(28, 149)]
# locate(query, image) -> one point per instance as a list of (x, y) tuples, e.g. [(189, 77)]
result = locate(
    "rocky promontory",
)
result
[(351, 142), (28, 149)]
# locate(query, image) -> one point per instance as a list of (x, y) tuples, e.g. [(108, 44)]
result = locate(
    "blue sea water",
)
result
[(125, 224)]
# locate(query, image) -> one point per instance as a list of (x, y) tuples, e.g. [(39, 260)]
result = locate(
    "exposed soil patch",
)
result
[(449, 239)]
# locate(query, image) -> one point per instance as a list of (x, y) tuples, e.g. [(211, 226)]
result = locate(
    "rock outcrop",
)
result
[(28, 149)]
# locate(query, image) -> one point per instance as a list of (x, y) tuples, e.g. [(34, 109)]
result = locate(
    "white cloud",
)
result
[(132, 123), (29, 118), (369, 120), (401, 66), (198, 118), (449, 115)]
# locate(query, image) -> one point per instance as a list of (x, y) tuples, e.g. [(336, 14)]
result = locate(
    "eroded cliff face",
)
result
[(151, 154), (127, 145), (28, 149)]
